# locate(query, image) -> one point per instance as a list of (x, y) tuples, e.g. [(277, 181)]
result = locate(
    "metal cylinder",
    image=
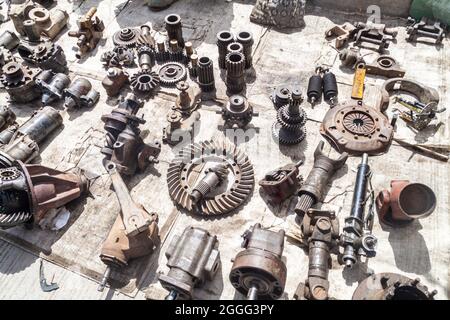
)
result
[(9, 40), (206, 74), (246, 39), (31, 30), (41, 124), (330, 88), (224, 38), (174, 28), (7, 117), (315, 86), (235, 47), (235, 65)]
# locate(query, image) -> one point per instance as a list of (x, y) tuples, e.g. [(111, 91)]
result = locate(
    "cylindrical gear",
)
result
[(174, 28), (235, 47), (171, 73), (146, 57), (193, 66), (235, 65), (296, 96), (281, 96), (161, 54), (176, 53), (126, 37), (290, 126), (50, 56), (144, 81), (19, 81), (206, 74), (246, 39), (224, 38)]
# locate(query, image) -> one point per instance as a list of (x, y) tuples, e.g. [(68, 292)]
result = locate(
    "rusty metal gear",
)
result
[(127, 37), (290, 128), (171, 73), (183, 173), (144, 81), (49, 55)]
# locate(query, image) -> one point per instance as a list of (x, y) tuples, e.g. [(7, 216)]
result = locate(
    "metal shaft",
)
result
[(105, 278), (252, 294)]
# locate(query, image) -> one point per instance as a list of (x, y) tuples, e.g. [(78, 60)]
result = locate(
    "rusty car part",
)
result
[(49, 56), (114, 81), (145, 81), (134, 233), (189, 49), (174, 28), (280, 14), (214, 176), (205, 70), (281, 96), (259, 271), (424, 94), (356, 128), (357, 239), (374, 33), (187, 100), (330, 87), (89, 33), (351, 57), (19, 82), (289, 129), (7, 134), (426, 28), (146, 37), (237, 113), (419, 115), (313, 189), (235, 47), (7, 117), (193, 259), (80, 94), (146, 57), (9, 40), (224, 38), (52, 85), (315, 86), (282, 183), (343, 33), (161, 54), (185, 169), (320, 229), (119, 56), (246, 39), (170, 73), (126, 37), (392, 286), (385, 66), (193, 66), (405, 202), (24, 142), (358, 82), (28, 192), (235, 66), (176, 53)]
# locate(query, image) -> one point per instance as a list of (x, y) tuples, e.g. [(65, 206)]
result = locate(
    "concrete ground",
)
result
[(71, 254)]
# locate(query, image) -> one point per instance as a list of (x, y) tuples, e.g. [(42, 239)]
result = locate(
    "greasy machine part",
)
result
[(235, 66), (385, 66), (7, 117), (237, 113), (127, 37), (174, 28), (434, 30), (18, 81), (114, 81), (80, 94), (246, 39), (342, 33), (205, 70), (374, 34), (52, 85), (224, 38), (171, 73)]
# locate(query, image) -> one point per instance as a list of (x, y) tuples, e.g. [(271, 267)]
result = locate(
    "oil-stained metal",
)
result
[(238, 112), (246, 39), (193, 259), (49, 56), (419, 115), (145, 82), (146, 37), (429, 28), (80, 94), (351, 57), (385, 66), (224, 38), (146, 57), (52, 85), (259, 271), (214, 176), (19, 82), (114, 81), (205, 71), (235, 66)]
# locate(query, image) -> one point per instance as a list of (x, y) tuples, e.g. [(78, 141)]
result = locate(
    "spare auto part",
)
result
[(176, 53), (259, 271), (192, 258), (205, 71), (161, 54), (126, 37), (185, 169), (146, 57), (392, 286), (313, 189), (49, 56), (80, 94), (134, 233), (45, 287), (246, 39), (330, 88), (374, 33), (119, 56), (359, 82), (19, 82), (24, 143), (7, 134), (385, 66), (145, 37), (214, 176), (145, 81), (281, 96), (52, 85), (224, 38), (320, 230), (356, 128), (171, 73), (238, 112), (315, 86), (174, 28), (426, 95), (90, 31), (114, 81), (289, 129), (280, 14), (351, 57), (343, 33), (426, 28), (419, 115), (282, 183), (189, 48), (7, 117), (28, 192), (235, 47), (193, 65), (357, 239), (405, 202), (235, 66), (9, 40)]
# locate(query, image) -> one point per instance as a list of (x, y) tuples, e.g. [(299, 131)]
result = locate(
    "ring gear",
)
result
[(181, 177), (171, 73), (144, 81), (127, 37)]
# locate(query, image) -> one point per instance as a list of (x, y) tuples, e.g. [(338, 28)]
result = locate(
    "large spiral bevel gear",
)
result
[(181, 177), (144, 81), (127, 37), (290, 126), (171, 73)]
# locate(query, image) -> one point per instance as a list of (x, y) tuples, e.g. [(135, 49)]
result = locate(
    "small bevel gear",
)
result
[(171, 73), (290, 128), (118, 56), (144, 81), (127, 37)]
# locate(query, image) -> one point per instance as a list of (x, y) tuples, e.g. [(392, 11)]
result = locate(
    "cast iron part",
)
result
[(214, 176), (392, 286), (9, 40), (114, 81), (185, 169), (237, 113), (289, 129), (259, 271), (80, 94), (48, 56), (193, 259), (171, 73), (405, 202), (52, 85), (313, 189), (357, 239), (330, 88), (161, 55), (235, 47), (19, 82), (146, 57), (145, 81), (281, 96), (174, 28), (419, 115), (126, 37), (205, 71), (374, 33), (351, 57), (193, 66), (119, 56), (280, 14), (356, 128), (385, 66), (7, 134), (23, 144), (90, 31), (235, 66), (246, 39), (134, 233), (426, 28), (176, 53), (28, 192), (224, 38), (343, 33), (7, 117), (320, 230), (146, 38), (282, 183), (315, 86)]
